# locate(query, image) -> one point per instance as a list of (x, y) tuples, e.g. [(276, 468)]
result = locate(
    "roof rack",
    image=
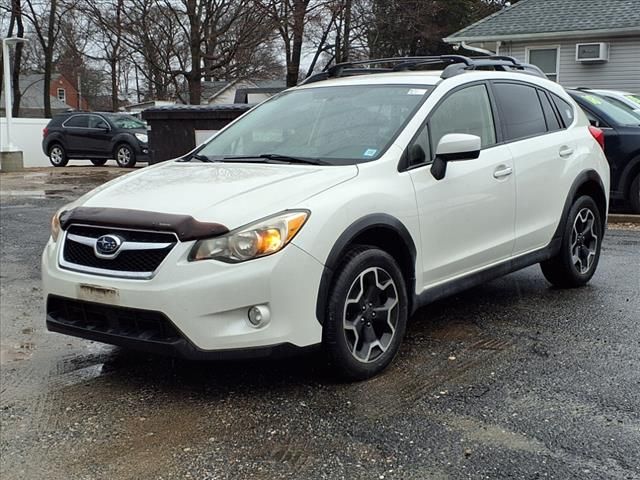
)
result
[(454, 65)]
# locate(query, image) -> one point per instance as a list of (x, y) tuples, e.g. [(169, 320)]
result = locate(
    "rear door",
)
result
[(541, 150), (75, 132), (467, 218)]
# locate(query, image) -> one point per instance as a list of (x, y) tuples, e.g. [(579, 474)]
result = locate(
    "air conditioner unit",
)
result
[(592, 52)]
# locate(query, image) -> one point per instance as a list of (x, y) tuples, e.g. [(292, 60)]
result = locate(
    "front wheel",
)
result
[(366, 314), (577, 260), (634, 195), (125, 156)]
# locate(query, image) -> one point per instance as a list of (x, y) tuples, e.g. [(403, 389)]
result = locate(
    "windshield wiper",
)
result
[(277, 157), (202, 158)]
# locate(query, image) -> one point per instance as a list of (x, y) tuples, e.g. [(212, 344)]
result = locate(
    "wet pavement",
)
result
[(512, 379)]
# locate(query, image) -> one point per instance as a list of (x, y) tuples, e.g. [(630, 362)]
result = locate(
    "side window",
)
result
[(465, 111), (553, 124), (520, 110), (80, 121), (422, 139), (565, 109), (97, 122)]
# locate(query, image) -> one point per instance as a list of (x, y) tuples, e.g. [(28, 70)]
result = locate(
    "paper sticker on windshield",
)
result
[(417, 91), (634, 98), (370, 152), (593, 100)]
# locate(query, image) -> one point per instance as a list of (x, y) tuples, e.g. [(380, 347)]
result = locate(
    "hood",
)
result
[(232, 194)]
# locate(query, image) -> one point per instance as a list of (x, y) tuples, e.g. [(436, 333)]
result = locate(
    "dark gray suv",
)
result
[(95, 136)]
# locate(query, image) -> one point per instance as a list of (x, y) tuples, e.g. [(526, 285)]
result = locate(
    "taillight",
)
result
[(598, 135), (45, 131)]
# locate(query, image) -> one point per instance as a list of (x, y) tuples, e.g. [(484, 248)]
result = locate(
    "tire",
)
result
[(98, 162), (357, 340), (583, 236), (125, 156), (57, 155), (634, 195)]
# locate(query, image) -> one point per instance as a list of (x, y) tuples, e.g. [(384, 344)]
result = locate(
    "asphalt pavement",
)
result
[(512, 379)]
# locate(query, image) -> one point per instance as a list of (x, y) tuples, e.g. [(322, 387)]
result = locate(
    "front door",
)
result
[(467, 219)]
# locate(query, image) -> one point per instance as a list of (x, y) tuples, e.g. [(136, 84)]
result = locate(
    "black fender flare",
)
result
[(360, 226), (583, 177), (630, 171)]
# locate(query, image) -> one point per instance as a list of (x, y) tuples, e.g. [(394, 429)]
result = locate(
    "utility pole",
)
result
[(10, 156)]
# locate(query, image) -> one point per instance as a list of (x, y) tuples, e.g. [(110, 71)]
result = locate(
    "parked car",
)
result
[(625, 100), (331, 212), (622, 144), (95, 136)]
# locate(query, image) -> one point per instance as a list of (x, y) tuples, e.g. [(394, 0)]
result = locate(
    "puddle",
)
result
[(16, 352)]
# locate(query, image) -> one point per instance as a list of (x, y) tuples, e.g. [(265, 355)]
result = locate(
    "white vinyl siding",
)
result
[(621, 72)]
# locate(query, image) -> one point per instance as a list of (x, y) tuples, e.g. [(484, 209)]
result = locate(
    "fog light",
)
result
[(259, 315)]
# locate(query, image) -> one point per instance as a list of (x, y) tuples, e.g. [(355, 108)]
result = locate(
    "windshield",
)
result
[(634, 98), (619, 115), (127, 121), (337, 125)]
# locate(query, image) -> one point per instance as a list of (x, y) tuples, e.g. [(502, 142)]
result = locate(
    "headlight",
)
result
[(253, 241), (143, 137), (55, 226)]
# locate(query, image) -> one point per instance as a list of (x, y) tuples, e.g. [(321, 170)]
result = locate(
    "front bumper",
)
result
[(206, 302)]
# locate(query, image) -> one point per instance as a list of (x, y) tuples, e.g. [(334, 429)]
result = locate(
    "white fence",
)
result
[(26, 134)]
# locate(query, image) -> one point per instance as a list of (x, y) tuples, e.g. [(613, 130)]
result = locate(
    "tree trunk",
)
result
[(17, 59), (113, 65), (194, 78), (293, 66), (48, 58)]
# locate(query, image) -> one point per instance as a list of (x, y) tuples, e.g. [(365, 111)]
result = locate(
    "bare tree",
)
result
[(107, 21), (45, 17)]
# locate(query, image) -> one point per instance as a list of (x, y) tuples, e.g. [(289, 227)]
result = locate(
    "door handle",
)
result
[(502, 171), (565, 152)]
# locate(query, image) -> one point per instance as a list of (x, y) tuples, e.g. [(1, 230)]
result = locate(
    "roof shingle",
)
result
[(550, 16)]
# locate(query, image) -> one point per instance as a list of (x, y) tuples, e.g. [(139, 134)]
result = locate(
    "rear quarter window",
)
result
[(565, 108)]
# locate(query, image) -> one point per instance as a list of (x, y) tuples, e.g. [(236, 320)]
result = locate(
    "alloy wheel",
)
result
[(56, 155), (584, 241), (371, 314), (123, 155)]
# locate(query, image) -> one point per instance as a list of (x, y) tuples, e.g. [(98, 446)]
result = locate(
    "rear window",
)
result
[(565, 109), (521, 111)]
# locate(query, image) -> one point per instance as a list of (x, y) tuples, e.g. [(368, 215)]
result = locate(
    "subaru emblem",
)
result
[(107, 246)]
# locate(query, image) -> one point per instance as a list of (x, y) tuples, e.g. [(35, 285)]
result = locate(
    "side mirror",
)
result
[(454, 147), (594, 122)]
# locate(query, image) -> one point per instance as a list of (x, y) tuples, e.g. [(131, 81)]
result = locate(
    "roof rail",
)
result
[(454, 65)]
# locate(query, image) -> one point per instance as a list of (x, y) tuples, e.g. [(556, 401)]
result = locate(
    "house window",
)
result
[(62, 95), (546, 58)]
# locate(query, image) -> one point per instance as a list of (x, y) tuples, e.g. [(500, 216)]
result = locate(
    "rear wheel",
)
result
[(57, 155), (125, 156), (634, 195), (577, 260), (98, 162), (366, 314)]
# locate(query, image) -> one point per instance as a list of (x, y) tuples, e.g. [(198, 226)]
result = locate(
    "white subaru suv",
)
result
[(329, 213)]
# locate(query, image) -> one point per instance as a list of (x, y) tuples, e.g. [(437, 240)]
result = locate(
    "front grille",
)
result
[(78, 252), (131, 323)]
